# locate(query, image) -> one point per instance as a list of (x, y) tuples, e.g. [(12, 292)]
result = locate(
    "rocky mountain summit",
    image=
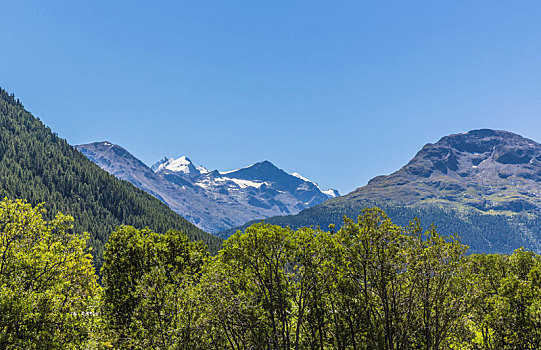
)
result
[(492, 171), (212, 200)]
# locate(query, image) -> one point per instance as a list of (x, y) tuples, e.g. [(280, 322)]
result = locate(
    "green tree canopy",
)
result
[(147, 279), (48, 287)]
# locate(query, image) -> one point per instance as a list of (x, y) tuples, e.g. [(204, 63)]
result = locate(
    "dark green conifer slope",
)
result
[(39, 166), (482, 233)]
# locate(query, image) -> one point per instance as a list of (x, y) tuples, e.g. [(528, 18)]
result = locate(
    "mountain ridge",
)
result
[(211, 199)]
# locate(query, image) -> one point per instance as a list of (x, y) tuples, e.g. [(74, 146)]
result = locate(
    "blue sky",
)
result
[(338, 91)]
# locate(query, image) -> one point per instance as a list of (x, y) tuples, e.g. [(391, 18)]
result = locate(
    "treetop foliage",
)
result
[(370, 285), (47, 282)]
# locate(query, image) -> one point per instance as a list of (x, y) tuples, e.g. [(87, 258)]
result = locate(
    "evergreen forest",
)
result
[(506, 232)]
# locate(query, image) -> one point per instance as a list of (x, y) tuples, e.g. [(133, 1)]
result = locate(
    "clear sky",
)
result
[(339, 91)]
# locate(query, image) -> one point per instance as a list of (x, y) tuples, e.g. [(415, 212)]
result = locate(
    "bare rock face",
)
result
[(213, 200), (484, 169)]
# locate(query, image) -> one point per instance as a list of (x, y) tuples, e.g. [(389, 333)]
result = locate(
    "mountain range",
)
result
[(212, 200), (484, 185)]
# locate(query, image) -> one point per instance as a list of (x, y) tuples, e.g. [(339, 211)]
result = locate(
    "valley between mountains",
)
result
[(124, 270), (484, 185)]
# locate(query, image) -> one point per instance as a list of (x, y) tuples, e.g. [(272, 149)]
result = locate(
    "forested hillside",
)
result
[(39, 166), (482, 233)]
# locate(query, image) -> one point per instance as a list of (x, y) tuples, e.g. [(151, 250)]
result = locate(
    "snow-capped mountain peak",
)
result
[(202, 169), (213, 200), (179, 165)]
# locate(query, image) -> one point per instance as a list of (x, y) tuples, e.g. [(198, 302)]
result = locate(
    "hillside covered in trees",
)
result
[(482, 233), (39, 166)]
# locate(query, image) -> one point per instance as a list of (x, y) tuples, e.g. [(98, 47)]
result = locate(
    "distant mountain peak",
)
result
[(488, 170), (264, 165), (213, 200), (177, 165), (100, 144), (475, 151), (484, 140)]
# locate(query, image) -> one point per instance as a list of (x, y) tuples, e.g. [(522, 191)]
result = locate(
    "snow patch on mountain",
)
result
[(301, 177), (202, 169), (232, 171), (245, 183), (331, 193)]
